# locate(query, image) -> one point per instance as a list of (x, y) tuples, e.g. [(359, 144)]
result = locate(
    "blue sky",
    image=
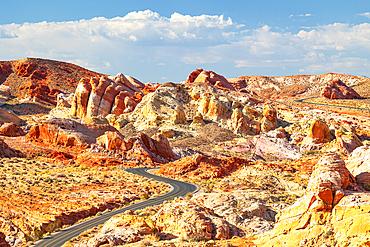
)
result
[(160, 41)]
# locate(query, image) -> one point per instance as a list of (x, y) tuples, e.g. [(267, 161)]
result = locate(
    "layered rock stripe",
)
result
[(103, 96)]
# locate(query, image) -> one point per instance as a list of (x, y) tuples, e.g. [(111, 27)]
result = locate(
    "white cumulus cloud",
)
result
[(140, 41)]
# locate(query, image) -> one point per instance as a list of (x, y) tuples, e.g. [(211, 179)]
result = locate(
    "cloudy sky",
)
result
[(160, 41)]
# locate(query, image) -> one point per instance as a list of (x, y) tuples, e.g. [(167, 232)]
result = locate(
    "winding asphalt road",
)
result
[(178, 189)]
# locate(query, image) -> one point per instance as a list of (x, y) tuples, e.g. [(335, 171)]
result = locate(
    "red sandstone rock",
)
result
[(119, 105), (39, 91), (100, 97), (96, 95), (146, 149), (210, 77), (26, 69), (111, 141), (67, 132), (193, 75), (150, 88), (336, 89), (11, 129), (202, 167)]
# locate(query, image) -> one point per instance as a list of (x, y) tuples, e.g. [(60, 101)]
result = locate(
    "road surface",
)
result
[(178, 189)]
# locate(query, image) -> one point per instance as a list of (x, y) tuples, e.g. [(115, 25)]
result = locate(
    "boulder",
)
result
[(319, 132), (111, 141), (269, 118), (11, 129), (239, 123), (336, 89), (105, 95)]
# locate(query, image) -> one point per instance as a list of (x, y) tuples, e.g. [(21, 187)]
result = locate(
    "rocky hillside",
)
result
[(290, 86), (55, 74)]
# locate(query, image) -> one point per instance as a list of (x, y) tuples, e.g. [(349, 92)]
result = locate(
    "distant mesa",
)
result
[(336, 89)]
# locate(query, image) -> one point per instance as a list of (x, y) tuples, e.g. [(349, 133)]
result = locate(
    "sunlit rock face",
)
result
[(103, 96)]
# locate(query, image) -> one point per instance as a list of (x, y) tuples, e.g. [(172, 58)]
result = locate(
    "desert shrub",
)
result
[(367, 187)]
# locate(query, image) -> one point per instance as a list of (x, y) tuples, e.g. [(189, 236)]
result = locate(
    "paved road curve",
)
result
[(62, 236)]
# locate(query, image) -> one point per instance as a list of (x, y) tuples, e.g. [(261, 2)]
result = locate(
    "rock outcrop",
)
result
[(175, 105), (325, 206), (207, 76), (358, 163), (337, 89), (4, 93), (269, 118), (182, 218), (240, 209), (103, 96), (11, 129), (318, 135), (290, 86), (202, 167), (345, 141), (141, 148), (67, 132)]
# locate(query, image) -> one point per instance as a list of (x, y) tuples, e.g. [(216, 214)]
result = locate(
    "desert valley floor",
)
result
[(279, 161)]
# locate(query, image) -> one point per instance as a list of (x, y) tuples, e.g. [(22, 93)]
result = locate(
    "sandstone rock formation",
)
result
[(11, 129), (173, 104), (324, 206), (9, 117), (102, 96), (337, 89), (358, 163), (182, 218), (290, 86), (346, 140), (188, 219), (269, 118), (240, 209), (318, 134), (201, 166), (200, 75), (67, 132), (142, 148)]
